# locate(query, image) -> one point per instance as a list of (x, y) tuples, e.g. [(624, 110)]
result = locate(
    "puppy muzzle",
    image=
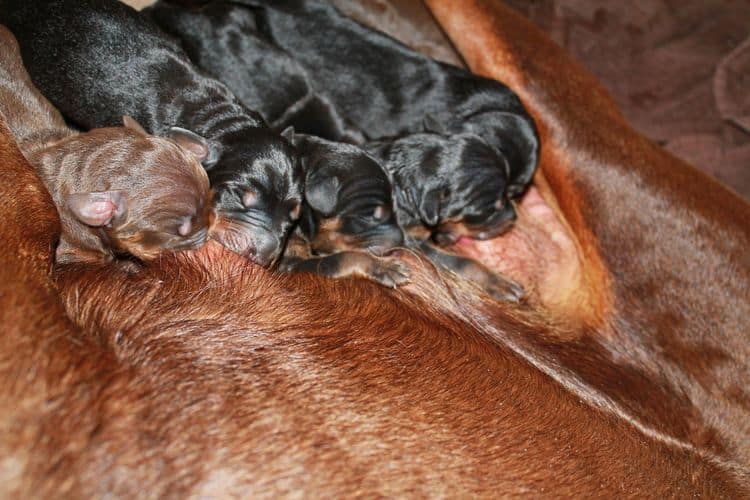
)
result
[(501, 221), (383, 240), (253, 241)]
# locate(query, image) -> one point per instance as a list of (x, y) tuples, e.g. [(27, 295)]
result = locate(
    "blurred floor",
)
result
[(679, 69)]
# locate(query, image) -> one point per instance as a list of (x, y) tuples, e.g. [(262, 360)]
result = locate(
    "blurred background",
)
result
[(679, 69)]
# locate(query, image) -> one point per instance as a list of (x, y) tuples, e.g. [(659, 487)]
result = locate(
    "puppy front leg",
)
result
[(296, 252), (494, 284), (387, 272)]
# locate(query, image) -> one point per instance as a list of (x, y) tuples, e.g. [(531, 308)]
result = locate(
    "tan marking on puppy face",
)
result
[(458, 228), (329, 238), (419, 232)]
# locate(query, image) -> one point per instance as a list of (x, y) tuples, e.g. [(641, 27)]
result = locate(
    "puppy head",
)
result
[(257, 186), (457, 184), (349, 202), (156, 197)]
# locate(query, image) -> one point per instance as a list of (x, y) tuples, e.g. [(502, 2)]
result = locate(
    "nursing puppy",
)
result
[(98, 60), (453, 194), (439, 179), (449, 196), (347, 218), (119, 192), (387, 90)]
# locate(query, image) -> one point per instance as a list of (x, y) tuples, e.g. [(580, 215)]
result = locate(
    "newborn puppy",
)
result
[(220, 38), (98, 60), (388, 90), (438, 200), (349, 207), (119, 192), (443, 189), (348, 215)]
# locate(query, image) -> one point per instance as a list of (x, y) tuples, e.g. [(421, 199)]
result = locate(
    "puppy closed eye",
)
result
[(295, 212), (185, 228), (249, 198), (380, 213)]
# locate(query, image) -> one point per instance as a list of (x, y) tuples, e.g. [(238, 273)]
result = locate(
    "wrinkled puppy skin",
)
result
[(97, 60), (118, 190)]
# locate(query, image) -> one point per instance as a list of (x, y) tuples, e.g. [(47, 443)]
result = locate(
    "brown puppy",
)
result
[(119, 191)]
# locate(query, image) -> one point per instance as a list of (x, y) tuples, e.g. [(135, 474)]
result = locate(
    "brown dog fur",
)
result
[(149, 190), (664, 266), (230, 381)]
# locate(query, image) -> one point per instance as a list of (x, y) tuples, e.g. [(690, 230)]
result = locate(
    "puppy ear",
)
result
[(429, 207), (321, 194), (206, 152), (432, 125), (380, 150), (98, 208), (288, 134), (129, 122)]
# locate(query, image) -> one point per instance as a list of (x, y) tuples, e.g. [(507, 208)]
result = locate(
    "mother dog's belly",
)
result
[(537, 252)]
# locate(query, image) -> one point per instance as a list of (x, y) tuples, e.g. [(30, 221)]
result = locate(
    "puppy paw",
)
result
[(385, 271), (388, 272), (126, 266), (504, 289)]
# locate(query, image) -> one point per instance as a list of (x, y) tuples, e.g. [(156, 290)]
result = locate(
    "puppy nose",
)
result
[(501, 223), (515, 190), (266, 248), (185, 227), (507, 214)]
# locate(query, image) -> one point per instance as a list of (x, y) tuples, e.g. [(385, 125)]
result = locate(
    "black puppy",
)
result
[(450, 189), (442, 187), (350, 207), (387, 90), (221, 39), (429, 171), (97, 60), (348, 215)]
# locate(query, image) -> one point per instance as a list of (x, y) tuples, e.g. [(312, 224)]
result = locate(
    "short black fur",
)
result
[(442, 120), (97, 60)]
